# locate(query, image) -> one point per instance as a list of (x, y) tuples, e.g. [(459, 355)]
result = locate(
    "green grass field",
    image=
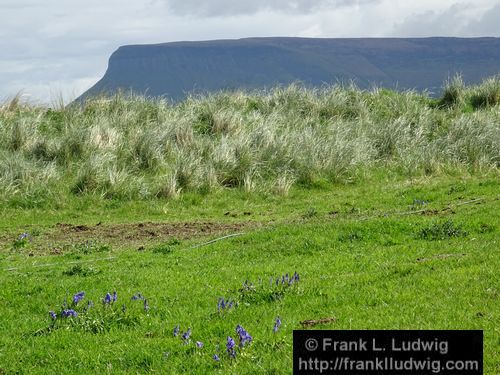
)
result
[(405, 237)]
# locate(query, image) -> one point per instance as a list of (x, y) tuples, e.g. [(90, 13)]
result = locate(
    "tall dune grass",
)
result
[(126, 147)]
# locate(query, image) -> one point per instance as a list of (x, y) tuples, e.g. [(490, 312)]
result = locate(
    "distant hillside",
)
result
[(176, 69)]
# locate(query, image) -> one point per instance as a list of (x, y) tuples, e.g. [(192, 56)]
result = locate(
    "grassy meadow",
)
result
[(331, 209)]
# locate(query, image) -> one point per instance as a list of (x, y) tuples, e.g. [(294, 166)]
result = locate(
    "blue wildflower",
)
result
[(69, 312), (115, 296), (419, 202), (277, 324), (219, 304), (53, 315), (176, 330), (107, 299), (243, 335), (78, 297), (230, 346), (216, 358), (137, 296), (223, 304), (247, 285), (186, 335), (199, 344), (23, 236)]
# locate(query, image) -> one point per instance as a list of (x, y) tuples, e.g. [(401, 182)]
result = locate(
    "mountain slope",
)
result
[(176, 69)]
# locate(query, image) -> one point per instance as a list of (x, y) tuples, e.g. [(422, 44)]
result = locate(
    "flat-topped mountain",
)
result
[(174, 70)]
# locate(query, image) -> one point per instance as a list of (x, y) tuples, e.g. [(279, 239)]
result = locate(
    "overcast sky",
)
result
[(61, 47)]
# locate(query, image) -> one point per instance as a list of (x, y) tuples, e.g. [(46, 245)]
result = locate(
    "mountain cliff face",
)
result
[(174, 70)]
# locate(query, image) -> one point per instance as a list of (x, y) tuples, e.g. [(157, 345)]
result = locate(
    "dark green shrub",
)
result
[(487, 94), (441, 231), (453, 93)]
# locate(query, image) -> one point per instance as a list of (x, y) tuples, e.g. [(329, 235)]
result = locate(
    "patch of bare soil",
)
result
[(63, 237), (139, 232), (313, 322)]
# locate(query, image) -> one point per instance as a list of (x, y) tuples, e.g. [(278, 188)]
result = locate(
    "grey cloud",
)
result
[(489, 24), (447, 23), (217, 8), (454, 21)]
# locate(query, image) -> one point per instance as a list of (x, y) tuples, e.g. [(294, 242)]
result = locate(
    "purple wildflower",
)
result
[(115, 296), (199, 344), (247, 285), (53, 315), (137, 296), (243, 335), (420, 202), (107, 299), (176, 330), (78, 297), (186, 335), (277, 324), (230, 346), (69, 312), (216, 358), (23, 236), (223, 304)]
